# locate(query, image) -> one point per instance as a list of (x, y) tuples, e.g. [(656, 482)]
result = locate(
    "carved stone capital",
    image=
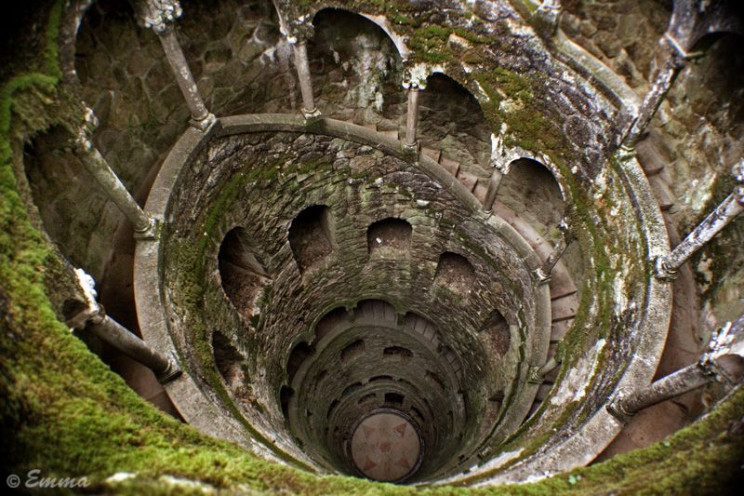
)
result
[(411, 84), (541, 276), (626, 153), (739, 194), (300, 30), (549, 11), (738, 173), (171, 372), (311, 116), (84, 140), (411, 150), (679, 54), (158, 15), (414, 77)]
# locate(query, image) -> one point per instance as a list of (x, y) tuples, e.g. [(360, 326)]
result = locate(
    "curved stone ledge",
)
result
[(593, 435), (598, 431), (148, 271)]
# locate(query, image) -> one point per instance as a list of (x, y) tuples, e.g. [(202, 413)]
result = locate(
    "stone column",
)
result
[(93, 319), (665, 268), (144, 226), (299, 49), (716, 364), (543, 272), (674, 62), (159, 15), (113, 333), (626, 405), (493, 188), (414, 88)]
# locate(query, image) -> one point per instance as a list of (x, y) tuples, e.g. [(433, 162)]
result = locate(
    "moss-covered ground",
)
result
[(64, 412)]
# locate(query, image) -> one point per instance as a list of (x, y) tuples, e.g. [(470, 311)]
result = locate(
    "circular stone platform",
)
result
[(386, 447)]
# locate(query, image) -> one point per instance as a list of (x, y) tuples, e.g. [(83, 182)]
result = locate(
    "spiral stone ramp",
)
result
[(344, 246)]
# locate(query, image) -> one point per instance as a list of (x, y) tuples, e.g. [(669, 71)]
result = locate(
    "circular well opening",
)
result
[(386, 446)]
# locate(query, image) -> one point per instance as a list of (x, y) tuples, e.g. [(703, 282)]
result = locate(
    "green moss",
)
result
[(429, 44), (514, 100)]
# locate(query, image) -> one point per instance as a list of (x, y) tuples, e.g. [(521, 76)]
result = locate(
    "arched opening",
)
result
[(389, 236), (531, 189), (310, 236), (228, 360), (356, 69), (352, 351), (455, 272), (495, 335), (299, 354), (242, 273), (451, 121)]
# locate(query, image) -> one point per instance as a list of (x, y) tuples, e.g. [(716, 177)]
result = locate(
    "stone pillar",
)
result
[(543, 272), (144, 226), (674, 62), (113, 333), (716, 364), (159, 15), (414, 88), (665, 268), (493, 188), (93, 319), (299, 48), (626, 405)]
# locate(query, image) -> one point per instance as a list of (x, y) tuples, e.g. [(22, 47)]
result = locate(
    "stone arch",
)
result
[(310, 236), (465, 134), (455, 272), (389, 235), (242, 273), (353, 50), (531, 188)]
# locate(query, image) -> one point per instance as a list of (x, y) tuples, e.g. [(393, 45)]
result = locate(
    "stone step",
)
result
[(391, 133), (469, 180), (650, 157), (450, 165), (563, 308), (561, 296), (542, 392), (435, 155), (552, 376), (662, 192), (481, 188)]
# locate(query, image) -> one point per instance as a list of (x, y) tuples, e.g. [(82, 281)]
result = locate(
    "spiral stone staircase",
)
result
[(423, 243)]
